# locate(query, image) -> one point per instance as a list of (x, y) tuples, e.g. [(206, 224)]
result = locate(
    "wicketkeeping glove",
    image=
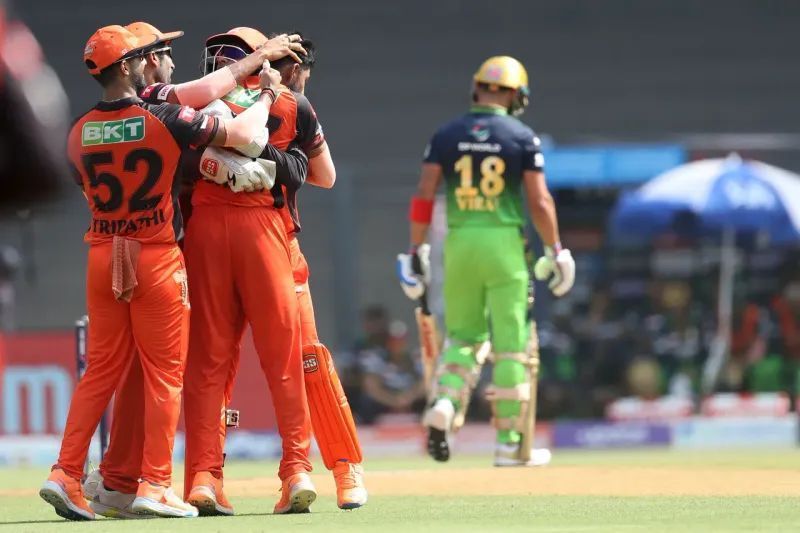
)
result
[(558, 266), (240, 173), (414, 271)]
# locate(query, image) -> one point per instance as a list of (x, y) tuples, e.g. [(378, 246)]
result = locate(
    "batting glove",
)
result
[(414, 271), (558, 266)]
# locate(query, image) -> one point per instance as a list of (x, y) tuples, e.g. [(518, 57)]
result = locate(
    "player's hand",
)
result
[(414, 271), (558, 266), (269, 78), (281, 46)]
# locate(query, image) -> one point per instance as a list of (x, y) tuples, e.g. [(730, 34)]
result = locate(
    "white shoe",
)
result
[(91, 484), (350, 490), (439, 420), (156, 500), (508, 455), (114, 504), (297, 495)]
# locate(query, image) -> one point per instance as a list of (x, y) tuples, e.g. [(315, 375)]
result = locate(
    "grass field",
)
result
[(580, 491)]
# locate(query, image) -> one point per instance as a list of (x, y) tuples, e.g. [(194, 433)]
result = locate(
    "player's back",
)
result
[(126, 155), (483, 155)]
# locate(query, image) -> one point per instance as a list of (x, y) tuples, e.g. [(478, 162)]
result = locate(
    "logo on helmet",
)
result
[(494, 73)]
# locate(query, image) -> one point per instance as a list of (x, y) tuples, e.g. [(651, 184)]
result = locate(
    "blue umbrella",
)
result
[(709, 196), (714, 197)]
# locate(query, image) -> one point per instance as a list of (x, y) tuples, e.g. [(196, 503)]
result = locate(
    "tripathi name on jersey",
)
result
[(130, 225)]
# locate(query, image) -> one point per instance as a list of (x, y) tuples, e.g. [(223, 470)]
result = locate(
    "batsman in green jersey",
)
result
[(488, 159)]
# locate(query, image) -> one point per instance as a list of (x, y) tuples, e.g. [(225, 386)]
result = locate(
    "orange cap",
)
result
[(249, 36), (110, 44), (143, 29)]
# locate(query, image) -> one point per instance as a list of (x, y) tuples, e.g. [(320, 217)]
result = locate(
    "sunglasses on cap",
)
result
[(165, 50)]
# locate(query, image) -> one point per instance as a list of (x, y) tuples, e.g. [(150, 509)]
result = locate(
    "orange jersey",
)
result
[(291, 120), (126, 156)]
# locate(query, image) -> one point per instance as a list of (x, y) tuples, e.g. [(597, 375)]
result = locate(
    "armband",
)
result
[(421, 210)]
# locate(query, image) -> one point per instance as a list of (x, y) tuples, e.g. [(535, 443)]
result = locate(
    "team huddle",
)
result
[(192, 190), (192, 193)]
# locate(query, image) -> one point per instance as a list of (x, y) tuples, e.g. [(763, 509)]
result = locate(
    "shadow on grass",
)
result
[(277, 516), (22, 522)]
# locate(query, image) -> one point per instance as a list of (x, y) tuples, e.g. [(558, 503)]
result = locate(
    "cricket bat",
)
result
[(428, 340), (530, 413)]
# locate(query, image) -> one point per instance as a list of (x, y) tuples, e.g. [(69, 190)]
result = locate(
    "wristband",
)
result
[(421, 210), (271, 93), (553, 250)]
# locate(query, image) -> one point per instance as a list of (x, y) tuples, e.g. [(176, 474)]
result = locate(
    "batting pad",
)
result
[(331, 417)]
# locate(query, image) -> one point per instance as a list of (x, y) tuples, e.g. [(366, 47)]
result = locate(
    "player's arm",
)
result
[(556, 265), (541, 206), (413, 268), (291, 166), (321, 170), (249, 124), (199, 93), (421, 211)]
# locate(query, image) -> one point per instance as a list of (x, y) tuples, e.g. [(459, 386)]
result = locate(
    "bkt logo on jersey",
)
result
[(113, 131)]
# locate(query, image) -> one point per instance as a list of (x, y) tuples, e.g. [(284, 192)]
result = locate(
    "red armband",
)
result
[(421, 210)]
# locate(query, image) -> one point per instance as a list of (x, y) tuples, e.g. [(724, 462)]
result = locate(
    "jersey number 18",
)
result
[(491, 185)]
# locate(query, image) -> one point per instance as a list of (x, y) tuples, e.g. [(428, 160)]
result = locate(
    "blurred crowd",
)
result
[(382, 374), (643, 335)]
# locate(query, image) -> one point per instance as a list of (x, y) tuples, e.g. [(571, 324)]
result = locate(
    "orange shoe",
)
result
[(297, 495), (208, 497), (158, 500), (65, 494), (350, 490)]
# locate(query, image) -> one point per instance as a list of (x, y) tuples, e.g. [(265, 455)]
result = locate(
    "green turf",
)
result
[(386, 514)]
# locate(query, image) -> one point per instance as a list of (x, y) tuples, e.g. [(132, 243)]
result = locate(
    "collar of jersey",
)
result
[(117, 104), (489, 110)]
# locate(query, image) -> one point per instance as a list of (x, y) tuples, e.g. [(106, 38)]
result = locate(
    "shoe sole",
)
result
[(53, 494), (438, 447), (147, 507), (114, 512), (206, 503), (349, 506), (302, 500)]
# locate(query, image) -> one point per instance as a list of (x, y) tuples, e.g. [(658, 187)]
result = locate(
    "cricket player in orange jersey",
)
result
[(126, 155), (112, 487), (238, 260), (292, 119), (331, 416)]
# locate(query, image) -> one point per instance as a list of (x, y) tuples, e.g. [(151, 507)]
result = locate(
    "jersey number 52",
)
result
[(139, 200)]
